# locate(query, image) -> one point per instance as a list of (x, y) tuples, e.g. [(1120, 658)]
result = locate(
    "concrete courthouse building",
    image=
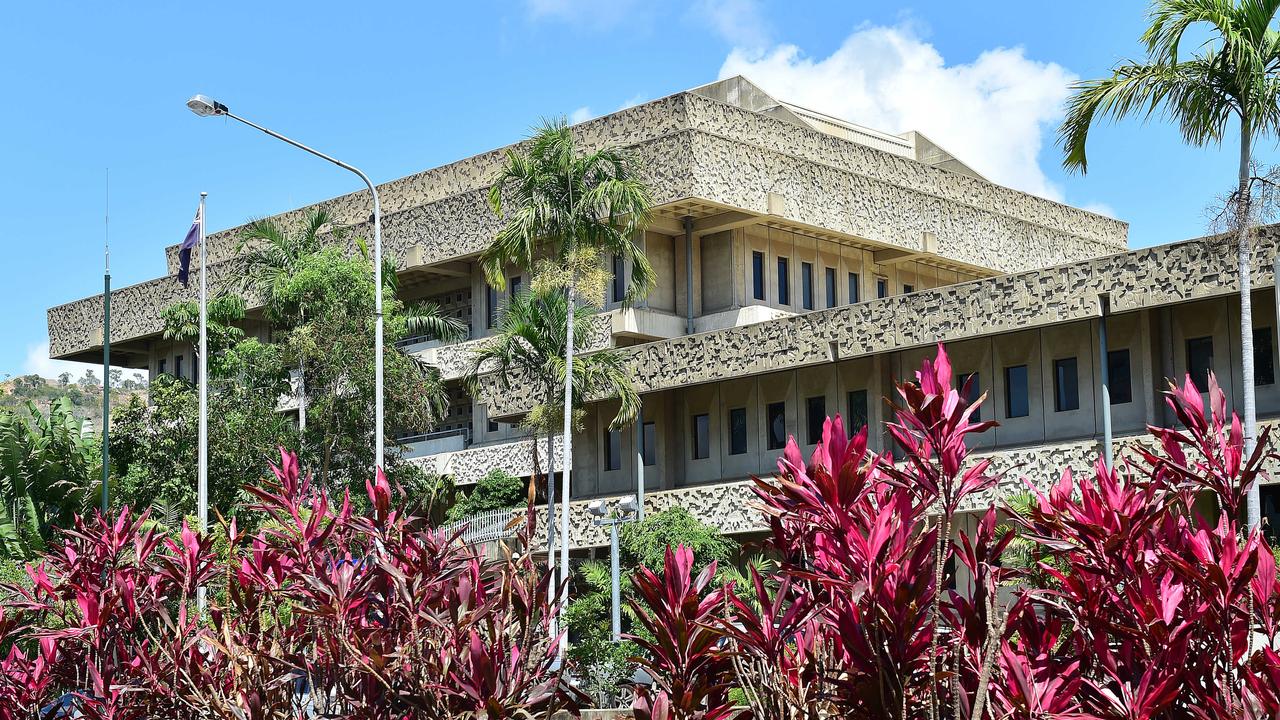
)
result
[(803, 263)]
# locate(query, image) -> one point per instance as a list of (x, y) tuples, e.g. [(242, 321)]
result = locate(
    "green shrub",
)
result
[(497, 490)]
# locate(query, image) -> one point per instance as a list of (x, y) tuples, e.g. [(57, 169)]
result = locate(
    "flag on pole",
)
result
[(188, 244)]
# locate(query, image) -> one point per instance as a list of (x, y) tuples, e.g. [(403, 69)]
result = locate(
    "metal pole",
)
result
[(106, 355), (377, 274), (202, 487), (688, 274), (615, 580), (1106, 383), (640, 466)]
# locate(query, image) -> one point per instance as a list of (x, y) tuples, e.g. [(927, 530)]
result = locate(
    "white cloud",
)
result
[(1100, 208), (582, 114), (39, 363), (738, 21), (633, 101), (992, 113)]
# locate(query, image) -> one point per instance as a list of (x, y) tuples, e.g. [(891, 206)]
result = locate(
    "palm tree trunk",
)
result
[(566, 462), (1244, 221)]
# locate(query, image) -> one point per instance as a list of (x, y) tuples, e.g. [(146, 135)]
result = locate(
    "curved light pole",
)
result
[(208, 107)]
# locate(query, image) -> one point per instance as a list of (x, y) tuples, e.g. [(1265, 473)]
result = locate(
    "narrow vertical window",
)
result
[(1119, 377), (177, 366), (619, 279), (829, 276), (882, 288), (612, 450), (161, 368), (857, 402), (491, 306), (757, 275), (784, 281), (776, 417), (513, 288), (1066, 385), (1017, 396), (855, 288), (816, 415), (738, 431), (1200, 361), (649, 443), (1264, 368), (701, 436), (806, 285), (971, 386)]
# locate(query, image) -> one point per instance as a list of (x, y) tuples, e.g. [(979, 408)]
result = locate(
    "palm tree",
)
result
[(531, 339), (1234, 77), (570, 205)]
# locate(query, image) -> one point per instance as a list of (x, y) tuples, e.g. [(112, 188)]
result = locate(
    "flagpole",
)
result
[(106, 348), (203, 460)]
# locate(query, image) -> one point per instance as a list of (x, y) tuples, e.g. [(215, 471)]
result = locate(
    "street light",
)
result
[(208, 107), (627, 508)]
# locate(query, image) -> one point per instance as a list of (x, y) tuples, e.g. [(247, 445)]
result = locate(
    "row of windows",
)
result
[(806, 283), (162, 368)]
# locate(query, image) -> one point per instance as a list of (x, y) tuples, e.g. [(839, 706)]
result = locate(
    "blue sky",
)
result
[(400, 87)]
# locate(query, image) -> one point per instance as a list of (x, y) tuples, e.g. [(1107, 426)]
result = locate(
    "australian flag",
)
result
[(188, 244)]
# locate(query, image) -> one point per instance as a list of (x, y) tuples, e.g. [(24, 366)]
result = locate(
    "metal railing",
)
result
[(487, 526)]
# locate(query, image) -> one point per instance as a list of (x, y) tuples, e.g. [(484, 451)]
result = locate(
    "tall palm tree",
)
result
[(1233, 77), (568, 204), (531, 339)]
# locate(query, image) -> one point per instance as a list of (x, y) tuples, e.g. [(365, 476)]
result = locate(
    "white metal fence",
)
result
[(487, 526)]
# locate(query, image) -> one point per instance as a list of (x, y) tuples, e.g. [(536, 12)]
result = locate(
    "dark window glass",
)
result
[(701, 437), (784, 281), (829, 276), (776, 415), (816, 413), (491, 306), (513, 287), (908, 288), (737, 431), (1017, 398), (649, 443), (162, 364), (1200, 361), (612, 449), (1119, 378), (806, 285), (971, 385), (1270, 501), (619, 280), (177, 366), (1066, 385), (757, 275), (882, 288), (855, 288), (857, 400), (1264, 368), (493, 426)]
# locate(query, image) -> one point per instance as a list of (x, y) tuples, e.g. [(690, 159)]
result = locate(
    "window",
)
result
[(1017, 398), (649, 443), (829, 278), (701, 436), (882, 287), (776, 414), (1200, 361), (612, 450), (857, 401), (619, 280), (971, 386), (1119, 379), (491, 306), (806, 285), (177, 366), (908, 288), (161, 368), (757, 275), (855, 289), (738, 431), (1264, 369), (1270, 501), (195, 368), (1066, 385), (784, 281), (493, 426), (513, 287), (816, 413)]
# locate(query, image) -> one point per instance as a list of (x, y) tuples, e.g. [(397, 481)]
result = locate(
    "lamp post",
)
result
[(627, 509), (208, 107)]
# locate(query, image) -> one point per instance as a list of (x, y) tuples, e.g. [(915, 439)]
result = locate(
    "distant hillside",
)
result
[(85, 394)]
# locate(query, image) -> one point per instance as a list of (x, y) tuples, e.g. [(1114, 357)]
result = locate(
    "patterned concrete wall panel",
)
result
[(1171, 273), (516, 457), (741, 175), (455, 361), (741, 126)]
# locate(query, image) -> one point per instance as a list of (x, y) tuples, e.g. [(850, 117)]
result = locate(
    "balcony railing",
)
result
[(432, 443), (487, 526)]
